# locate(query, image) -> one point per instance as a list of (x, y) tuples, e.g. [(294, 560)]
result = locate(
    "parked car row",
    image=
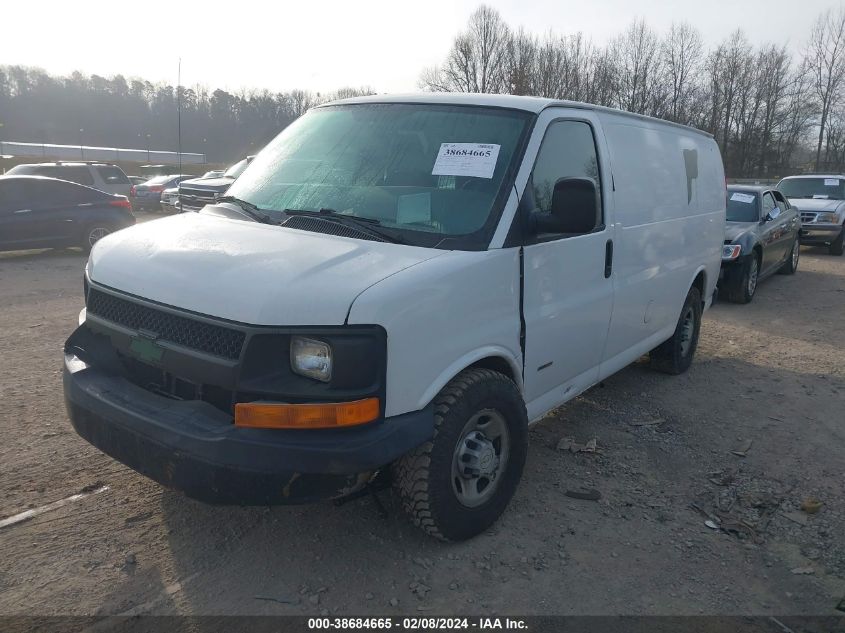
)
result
[(148, 196), (60, 204), (766, 226)]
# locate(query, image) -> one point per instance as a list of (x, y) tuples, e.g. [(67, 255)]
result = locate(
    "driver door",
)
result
[(568, 289)]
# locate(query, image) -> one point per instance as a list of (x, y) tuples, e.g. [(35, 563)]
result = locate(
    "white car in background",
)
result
[(170, 199)]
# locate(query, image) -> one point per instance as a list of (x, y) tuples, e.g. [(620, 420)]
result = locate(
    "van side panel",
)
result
[(442, 316), (669, 203)]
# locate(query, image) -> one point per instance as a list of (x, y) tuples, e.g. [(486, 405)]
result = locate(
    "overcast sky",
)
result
[(325, 44)]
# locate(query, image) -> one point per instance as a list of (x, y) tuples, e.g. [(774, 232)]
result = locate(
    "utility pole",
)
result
[(179, 112)]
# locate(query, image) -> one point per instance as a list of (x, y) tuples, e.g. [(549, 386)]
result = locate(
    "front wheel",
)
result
[(744, 288), (837, 246), (458, 483), (675, 355)]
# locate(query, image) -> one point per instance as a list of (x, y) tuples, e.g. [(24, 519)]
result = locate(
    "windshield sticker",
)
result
[(831, 182), (747, 198), (466, 159)]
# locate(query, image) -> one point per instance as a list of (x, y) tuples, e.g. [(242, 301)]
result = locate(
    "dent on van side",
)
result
[(393, 290)]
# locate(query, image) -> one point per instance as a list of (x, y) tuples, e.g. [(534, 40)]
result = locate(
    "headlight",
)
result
[(731, 251), (826, 217), (311, 358)]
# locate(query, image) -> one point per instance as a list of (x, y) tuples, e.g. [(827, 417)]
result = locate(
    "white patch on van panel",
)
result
[(667, 209), (466, 159)]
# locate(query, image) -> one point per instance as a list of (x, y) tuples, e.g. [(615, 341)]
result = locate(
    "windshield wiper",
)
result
[(248, 208), (331, 215)]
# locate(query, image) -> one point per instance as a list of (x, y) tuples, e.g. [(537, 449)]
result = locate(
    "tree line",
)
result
[(80, 109), (773, 108)]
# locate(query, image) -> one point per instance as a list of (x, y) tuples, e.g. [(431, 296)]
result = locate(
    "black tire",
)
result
[(837, 246), (791, 264), (93, 233), (424, 478), (743, 290), (675, 355)]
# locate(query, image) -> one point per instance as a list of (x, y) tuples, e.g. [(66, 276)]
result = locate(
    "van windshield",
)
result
[(428, 172), (819, 188)]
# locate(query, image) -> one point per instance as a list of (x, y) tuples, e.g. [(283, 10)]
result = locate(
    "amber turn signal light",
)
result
[(268, 415)]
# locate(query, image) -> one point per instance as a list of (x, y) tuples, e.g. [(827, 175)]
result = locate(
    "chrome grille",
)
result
[(808, 216), (195, 199)]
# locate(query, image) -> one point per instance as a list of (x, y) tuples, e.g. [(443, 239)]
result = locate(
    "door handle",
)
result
[(23, 211), (608, 258)]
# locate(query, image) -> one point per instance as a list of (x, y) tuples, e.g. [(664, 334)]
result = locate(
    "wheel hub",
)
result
[(477, 457)]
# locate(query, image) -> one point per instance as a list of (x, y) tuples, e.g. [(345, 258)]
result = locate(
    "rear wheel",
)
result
[(675, 355), (93, 234), (837, 246), (458, 483), (791, 264)]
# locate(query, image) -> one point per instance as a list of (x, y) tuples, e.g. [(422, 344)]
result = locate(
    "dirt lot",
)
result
[(772, 373)]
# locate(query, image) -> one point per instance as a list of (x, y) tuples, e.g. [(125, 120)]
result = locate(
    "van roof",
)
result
[(513, 102)]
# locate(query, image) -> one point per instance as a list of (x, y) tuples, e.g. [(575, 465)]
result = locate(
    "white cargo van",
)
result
[(397, 287)]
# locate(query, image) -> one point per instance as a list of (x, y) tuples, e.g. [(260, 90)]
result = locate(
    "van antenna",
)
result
[(179, 112)]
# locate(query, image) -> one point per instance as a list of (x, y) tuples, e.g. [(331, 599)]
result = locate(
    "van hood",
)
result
[(244, 271), (815, 204)]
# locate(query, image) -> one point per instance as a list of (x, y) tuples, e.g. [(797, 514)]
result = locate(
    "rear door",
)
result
[(771, 233), (568, 292), (63, 211)]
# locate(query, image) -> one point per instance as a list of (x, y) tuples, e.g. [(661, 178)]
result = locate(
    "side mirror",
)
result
[(574, 209)]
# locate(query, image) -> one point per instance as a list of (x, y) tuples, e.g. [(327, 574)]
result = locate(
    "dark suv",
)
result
[(102, 176)]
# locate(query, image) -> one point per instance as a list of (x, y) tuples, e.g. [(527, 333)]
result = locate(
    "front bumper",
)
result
[(193, 447), (732, 270), (819, 233)]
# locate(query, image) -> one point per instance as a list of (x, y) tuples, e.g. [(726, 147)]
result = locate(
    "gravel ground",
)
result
[(771, 373)]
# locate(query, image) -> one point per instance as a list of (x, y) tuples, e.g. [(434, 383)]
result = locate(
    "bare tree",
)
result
[(550, 67), (477, 59), (637, 53), (727, 69), (520, 63), (826, 61), (682, 52)]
